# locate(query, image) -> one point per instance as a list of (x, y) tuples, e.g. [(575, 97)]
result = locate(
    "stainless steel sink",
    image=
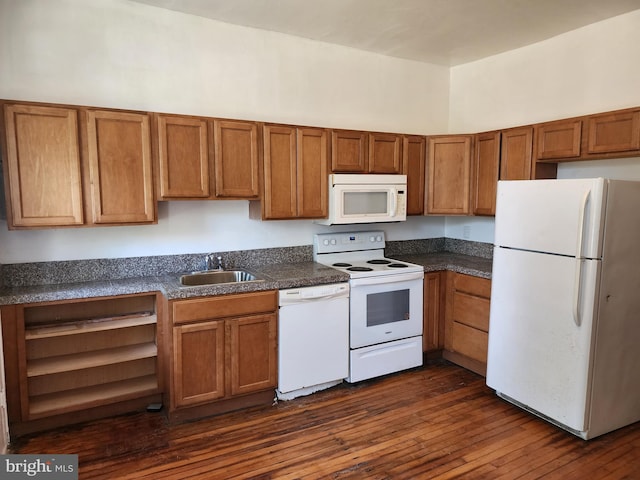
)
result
[(217, 277)]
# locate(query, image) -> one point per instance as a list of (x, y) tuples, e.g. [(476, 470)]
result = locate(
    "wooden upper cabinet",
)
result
[(414, 162), (385, 151), (236, 159), (312, 172), (516, 153), (349, 151), (42, 167), (295, 173), (559, 139), (280, 176), (486, 172), (119, 167), (183, 157), (449, 175), (614, 132)]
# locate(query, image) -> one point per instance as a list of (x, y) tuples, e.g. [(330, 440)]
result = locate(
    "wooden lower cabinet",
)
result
[(467, 321), (223, 348), (78, 360), (433, 316)]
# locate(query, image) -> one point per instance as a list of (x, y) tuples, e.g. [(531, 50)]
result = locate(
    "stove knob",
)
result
[(372, 238), (325, 242), (379, 238), (333, 241)]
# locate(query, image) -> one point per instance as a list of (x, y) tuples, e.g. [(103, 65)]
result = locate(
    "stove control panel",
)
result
[(348, 241)]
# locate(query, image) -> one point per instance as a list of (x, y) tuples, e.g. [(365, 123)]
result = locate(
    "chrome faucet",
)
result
[(214, 262)]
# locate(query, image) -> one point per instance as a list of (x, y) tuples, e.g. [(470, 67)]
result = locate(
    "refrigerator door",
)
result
[(555, 216), (539, 354)]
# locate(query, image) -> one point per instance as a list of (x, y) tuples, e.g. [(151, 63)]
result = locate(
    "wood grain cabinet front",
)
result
[(202, 158), (414, 162), (120, 172), (486, 172), (42, 169), (433, 317), (385, 153), (223, 347), (449, 175), (295, 173), (516, 154), (236, 159), (614, 133), (182, 150), (349, 151), (467, 321), (561, 139)]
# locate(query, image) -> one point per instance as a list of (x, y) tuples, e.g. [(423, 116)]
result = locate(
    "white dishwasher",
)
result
[(313, 339)]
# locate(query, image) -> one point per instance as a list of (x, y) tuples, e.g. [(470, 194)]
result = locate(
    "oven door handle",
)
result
[(383, 279)]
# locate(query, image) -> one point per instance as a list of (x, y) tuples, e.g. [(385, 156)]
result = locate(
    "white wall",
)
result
[(589, 70), (121, 54)]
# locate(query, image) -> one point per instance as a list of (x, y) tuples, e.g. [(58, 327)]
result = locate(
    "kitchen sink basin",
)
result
[(217, 277)]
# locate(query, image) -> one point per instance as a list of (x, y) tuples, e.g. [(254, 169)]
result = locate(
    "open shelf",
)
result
[(79, 361), (88, 353), (90, 325), (87, 397)]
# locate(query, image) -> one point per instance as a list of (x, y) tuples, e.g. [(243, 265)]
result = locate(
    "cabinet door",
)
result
[(252, 353), (515, 161), (349, 151), (236, 159), (414, 162), (42, 166), (486, 172), (198, 363), (433, 338), (120, 172), (183, 157), (615, 132), (385, 153), (312, 172), (449, 171), (467, 321), (280, 181), (558, 140)]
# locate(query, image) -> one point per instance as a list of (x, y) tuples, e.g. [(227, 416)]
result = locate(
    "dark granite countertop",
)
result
[(455, 262), (274, 276)]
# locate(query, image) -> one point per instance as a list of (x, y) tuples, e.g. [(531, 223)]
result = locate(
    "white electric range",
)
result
[(385, 306)]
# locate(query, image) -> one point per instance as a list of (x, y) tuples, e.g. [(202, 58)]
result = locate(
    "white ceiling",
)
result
[(445, 32)]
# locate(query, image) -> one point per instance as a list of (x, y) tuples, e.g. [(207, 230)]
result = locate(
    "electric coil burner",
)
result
[(385, 311)]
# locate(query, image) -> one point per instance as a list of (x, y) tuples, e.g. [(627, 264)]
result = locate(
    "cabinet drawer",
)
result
[(470, 342), (224, 306), (471, 310), (479, 287)]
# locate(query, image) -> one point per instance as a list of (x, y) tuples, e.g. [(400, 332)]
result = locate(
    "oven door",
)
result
[(385, 308)]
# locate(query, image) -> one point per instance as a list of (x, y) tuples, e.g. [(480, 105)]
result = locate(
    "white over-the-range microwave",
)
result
[(366, 198)]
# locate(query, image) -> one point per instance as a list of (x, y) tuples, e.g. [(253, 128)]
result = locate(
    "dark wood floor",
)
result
[(437, 422)]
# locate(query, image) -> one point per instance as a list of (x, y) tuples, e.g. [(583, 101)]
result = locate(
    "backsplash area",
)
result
[(74, 271)]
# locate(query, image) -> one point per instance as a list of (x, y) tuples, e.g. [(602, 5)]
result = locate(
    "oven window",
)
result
[(365, 203), (387, 307)]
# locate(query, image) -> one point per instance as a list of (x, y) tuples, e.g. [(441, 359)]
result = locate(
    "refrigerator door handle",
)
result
[(581, 220), (577, 286)]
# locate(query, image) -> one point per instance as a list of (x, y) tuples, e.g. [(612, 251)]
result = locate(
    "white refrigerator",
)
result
[(564, 332)]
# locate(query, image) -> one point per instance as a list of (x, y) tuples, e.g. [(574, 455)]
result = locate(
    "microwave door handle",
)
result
[(394, 201)]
